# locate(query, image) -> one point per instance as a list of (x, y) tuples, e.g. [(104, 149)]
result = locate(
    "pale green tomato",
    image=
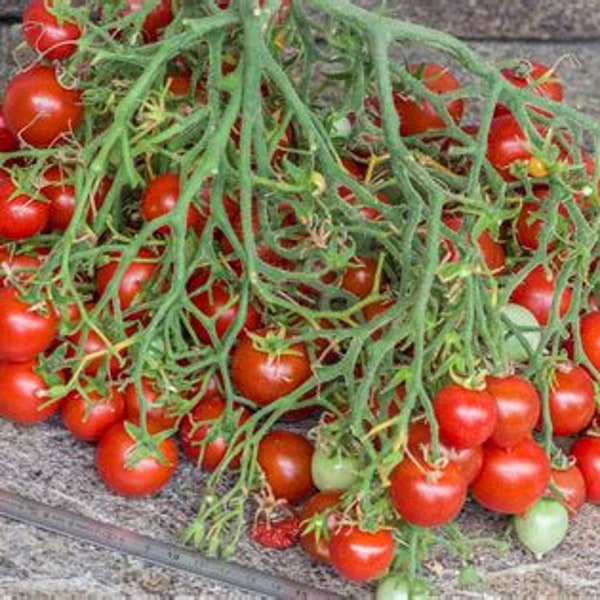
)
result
[(398, 587), (334, 472), (522, 318)]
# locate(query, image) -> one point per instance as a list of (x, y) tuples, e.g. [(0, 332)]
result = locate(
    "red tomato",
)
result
[(263, 377), (468, 461), (136, 276), (322, 504), (61, 198), (92, 344), (571, 487), (38, 109), (374, 310), (157, 19), (21, 216), (88, 419), (361, 555), (511, 479), (276, 533), (25, 331), (427, 496), (8, 140), (519, 408), (216, 303), (589, 328), (22, 397), (536, 293), (121, 474), (571, 399), (285, 459), (359, 278), (196, 425), (586, 451), (22, 267), (158, 417), (45, 34), (465, 417)]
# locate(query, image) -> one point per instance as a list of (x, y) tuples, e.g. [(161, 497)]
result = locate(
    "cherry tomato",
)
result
[(359, 278), (92, 344), (38, 109), (465, 417), (586, 451), (22, 393), (21, 267), (334, 471), (8, 140), (571, 488), (196, 425), (158, 417), (323, 504), (21, 216), (425, 495), (278, 534), (25, 331), (511, 479), (263, 377), (156, 20), (216, 303), (285, 459), (45, 34), (589, 327), (361, 555), (468, 461), (519, 408), (88, 419)]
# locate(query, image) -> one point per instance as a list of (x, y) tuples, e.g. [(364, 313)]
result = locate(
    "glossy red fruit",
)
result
[(589, 327), (158, 417), (21, 267), (8, 140), (468, 461), (54, 39), (156, 20), (511, 479), (568, 486), (519, 408), (586, 451), (359, 278), (92, 344), (38, 109), (324, 504)]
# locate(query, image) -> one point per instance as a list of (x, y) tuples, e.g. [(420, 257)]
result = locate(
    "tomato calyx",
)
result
[(147, 445), (273, 342)]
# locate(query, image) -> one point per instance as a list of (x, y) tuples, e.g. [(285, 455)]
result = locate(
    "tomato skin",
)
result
[(468, 461), (193, 429), (217, 301), (572, 488), (427, 496), (571, 399), (21, 394), (536, 293), (589, 327), (8, 140), (90, 423), (20, 266), (519, 408), (24, 333), (21, 216), (361, 555), (285, 459), (44, 33), (157, 417), (320, 503), (465, 417), (157, 19), (586, 451), (145, 477), (359, 278), (511, 479), (263, 378), (38, 109)]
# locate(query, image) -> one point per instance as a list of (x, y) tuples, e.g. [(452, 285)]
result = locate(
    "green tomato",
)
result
[(520, 317), (334, 472), (398, 587), (543, 527)]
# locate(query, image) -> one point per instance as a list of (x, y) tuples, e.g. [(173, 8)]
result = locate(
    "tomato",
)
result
[(536, 293), (219, 304), (374, 310), (468, 461), (589, 328), (25, 331), (278, 534), (22, 393), (21, 267), (571, 399), (361, 555), (61, 199), (263, 377), (92, 344), (39, 110), (127, 475), (285, 459), (8, 140), (45, 34), (21, 216), (156, 20), (570, 487), (196, 426), (519, 408), (331, 472), (511, 479), (543, 527), (137, 274), (425, 495), (586, 451), (523, 321), (536, 76), (323, 504), (88, 419), (400, 587), (359, 278), (466, 417), (158, 417)]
